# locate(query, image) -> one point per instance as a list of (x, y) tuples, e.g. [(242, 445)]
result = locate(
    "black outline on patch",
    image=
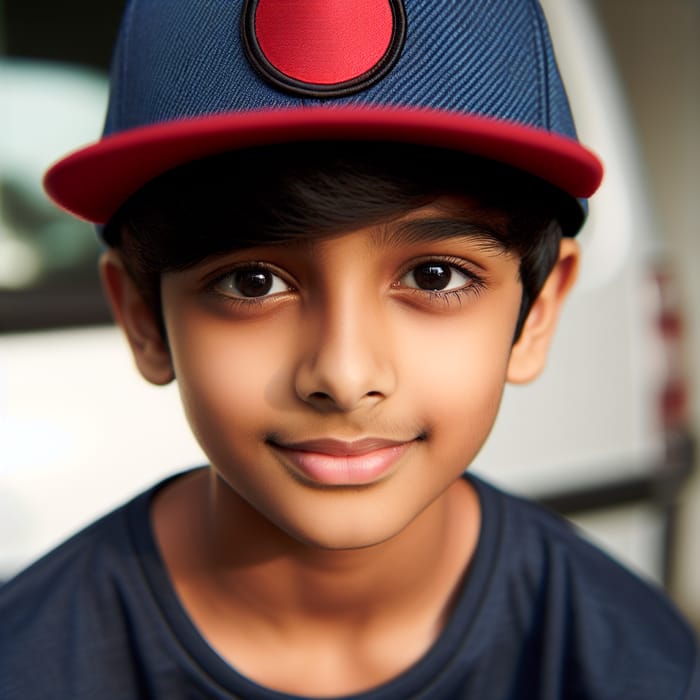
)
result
[(299, 87)]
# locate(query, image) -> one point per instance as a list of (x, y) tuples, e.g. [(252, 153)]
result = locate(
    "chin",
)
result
[(345, 542), (345, 531)]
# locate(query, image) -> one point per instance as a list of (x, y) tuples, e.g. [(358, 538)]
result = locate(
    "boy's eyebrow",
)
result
[(437, 228)]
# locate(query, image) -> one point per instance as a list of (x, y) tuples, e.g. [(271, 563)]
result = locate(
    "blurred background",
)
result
[(656, 48), (607, 436)]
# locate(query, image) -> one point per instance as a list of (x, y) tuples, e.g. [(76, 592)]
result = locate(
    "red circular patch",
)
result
[(324, 42)]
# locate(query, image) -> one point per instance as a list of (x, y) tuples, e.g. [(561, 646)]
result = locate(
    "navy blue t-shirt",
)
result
[(542, 615)]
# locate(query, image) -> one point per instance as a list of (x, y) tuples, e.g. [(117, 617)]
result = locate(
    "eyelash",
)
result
[(475, 285), (243, 301)]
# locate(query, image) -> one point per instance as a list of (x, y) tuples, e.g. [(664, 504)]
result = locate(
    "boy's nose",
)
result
[(347, 361)]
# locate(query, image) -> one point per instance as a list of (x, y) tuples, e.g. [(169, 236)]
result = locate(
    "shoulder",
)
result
[(618, 632), (67, 603), (60, 570), (100, 542), (548, 547)]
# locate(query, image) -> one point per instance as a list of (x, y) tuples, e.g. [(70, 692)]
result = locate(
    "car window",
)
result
[(48, 272), (53, 89)]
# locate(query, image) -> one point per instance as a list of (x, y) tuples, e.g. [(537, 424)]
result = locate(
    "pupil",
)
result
[(253, 283), (432, 276)]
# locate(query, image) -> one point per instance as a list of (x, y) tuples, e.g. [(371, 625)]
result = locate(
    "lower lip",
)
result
[(345, 470)]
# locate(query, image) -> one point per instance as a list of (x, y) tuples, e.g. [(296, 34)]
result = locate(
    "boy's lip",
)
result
[(333, 462), (341, 448)]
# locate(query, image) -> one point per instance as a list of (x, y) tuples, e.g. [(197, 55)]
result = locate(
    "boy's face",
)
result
[(341, 385)]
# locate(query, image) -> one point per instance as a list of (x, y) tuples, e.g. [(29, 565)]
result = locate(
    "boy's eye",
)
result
[(435, 276), (251, 282)]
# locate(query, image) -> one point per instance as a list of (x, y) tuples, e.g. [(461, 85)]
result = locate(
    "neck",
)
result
[(272, 571), (277, 588)]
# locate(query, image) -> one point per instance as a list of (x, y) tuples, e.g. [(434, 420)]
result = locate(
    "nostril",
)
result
[(320, 395), (325, 400)]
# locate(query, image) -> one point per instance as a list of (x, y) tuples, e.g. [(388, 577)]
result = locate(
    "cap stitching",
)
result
[(537, 17), (123, 69)]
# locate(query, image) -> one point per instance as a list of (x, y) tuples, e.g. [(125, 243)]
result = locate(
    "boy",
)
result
[(342, 227)]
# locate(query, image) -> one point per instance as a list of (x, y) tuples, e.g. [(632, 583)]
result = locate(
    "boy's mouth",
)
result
[(332, 462)]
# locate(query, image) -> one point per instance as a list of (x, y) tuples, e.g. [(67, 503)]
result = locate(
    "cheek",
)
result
[(228, 374), (459, 372)]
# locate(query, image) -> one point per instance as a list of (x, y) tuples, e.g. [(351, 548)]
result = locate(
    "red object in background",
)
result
[(674, 399)]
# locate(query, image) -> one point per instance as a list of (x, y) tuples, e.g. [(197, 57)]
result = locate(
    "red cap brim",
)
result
[(95, 181)]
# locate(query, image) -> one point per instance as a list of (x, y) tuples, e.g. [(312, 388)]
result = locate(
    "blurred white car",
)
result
[(80, 431)]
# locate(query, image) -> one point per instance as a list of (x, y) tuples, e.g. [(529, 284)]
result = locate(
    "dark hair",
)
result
[(271, 194)]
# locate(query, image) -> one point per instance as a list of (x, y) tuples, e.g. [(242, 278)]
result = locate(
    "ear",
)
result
[(529, 354), (136, 318)]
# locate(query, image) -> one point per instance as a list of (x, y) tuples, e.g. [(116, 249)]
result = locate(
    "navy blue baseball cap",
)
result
[(193, 78)]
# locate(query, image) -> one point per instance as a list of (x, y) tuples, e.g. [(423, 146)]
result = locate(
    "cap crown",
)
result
[(184, 58), (192, 78)]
